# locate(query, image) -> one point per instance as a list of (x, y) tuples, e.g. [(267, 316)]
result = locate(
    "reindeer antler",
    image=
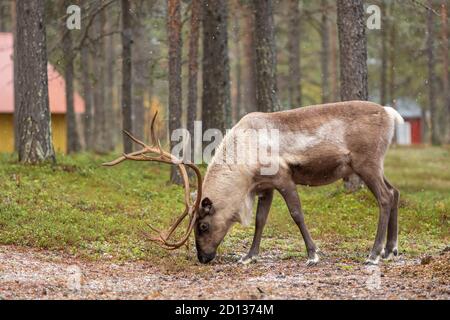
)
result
[(157, 154)]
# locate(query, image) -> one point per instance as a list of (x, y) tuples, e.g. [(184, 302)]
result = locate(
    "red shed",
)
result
[(411, 131)]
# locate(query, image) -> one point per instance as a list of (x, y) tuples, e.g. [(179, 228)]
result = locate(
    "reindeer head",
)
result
[(210, 218), (212, 225), (224, 203)]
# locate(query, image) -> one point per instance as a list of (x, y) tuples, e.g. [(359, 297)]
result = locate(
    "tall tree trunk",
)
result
[(325, 52), (266, 80), (100, 127), (193, 72), (353, 59), (334, 61), (3, 15), (73, 139), (127, 112), (431, 76), (31, 100), (384, 55), (445, 71), (175, 83), (117, 98), (140, 72), (216, 69), (87, 93), (236, 107), (295, 87), (15, 75), (392, 58), (353, 50), (248, 60), (110, 57)]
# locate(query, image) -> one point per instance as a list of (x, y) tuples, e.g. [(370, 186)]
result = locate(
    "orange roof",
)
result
[(56, 83)]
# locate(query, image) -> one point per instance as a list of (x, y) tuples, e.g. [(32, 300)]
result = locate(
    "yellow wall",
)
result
[(7, 132), (59, 132)]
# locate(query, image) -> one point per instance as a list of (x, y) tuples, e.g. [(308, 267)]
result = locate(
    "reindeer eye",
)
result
[(203, 226)]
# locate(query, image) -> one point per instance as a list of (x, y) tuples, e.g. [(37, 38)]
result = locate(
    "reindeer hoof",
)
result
[(313, 261), (390, 254), (372, 261), (247, 260)]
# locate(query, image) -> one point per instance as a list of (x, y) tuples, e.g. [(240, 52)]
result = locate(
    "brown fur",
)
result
[(318, 145)]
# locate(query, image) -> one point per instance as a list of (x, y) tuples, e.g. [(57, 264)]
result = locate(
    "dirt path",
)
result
[(34, 274)]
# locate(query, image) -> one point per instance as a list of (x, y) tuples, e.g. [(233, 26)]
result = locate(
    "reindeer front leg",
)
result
[(262, 211), (290, 195)]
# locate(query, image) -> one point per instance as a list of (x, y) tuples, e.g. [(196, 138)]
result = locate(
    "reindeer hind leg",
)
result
[(373, 178), (391, 248)]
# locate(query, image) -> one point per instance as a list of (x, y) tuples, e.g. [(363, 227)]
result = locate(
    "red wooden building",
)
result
[(411, 131)]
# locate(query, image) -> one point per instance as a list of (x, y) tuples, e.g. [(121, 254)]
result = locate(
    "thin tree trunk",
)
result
[(117, 99), (31, 100), (334, 61), (266, 80), (15, 75), (445, 72), (87, 93), (150, 92), (392, 58), (248, 61), (100, 129), (73, 139), (353, 59), (236, 107), (392, 61), (353, 50), (110, 57), (384, 55), (431, 76), (295, 87), (391, 51), (193, 72), (127, 112), (175, 83), (325, 52), (215, 69), (3, 15), (140, 72)]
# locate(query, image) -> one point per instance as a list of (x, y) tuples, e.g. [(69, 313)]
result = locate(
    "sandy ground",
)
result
[(35, 274)]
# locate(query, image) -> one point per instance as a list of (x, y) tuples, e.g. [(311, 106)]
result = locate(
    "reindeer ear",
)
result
[(207, 206), (206, 202)]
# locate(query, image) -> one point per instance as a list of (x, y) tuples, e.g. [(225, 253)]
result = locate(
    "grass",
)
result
[(94, 212)]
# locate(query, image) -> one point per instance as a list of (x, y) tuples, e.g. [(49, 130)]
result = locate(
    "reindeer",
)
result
[(316, 145)]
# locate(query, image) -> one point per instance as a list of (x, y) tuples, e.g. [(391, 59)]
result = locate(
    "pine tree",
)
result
[(266, 79), (32, 110)]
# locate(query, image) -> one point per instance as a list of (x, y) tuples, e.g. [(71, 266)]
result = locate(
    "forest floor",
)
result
[(36, 274), (77, 221)]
